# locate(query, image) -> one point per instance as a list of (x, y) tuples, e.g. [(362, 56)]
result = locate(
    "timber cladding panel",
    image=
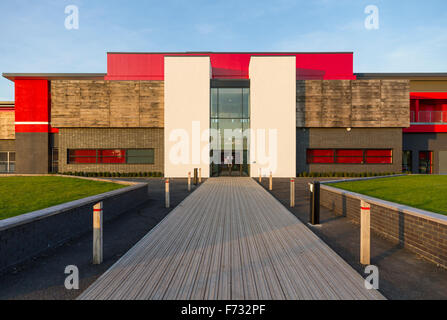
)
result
[(7, 129), (102, 104), (353, 103), (111, 138)]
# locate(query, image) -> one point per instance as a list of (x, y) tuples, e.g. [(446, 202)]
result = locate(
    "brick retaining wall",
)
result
[(28, 235), (422, 232)]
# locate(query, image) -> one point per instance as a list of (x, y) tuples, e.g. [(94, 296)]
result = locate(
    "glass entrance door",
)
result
[(230, 124), (426, 162)]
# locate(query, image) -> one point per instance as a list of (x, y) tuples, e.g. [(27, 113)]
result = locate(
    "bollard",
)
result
[(167, 193), (189, 181), (260, 176), (270, 182), (292, 192), (314, 203), (97, 233), (365, 239), (195, 176), (200, 175)]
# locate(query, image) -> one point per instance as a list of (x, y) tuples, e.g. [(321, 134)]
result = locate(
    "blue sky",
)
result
[(412, 35)]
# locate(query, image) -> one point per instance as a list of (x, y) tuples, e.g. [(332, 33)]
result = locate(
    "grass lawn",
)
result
[(20, 195), (422, 191)]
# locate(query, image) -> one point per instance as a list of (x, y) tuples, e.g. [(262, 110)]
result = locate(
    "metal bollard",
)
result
[(270, 182), (97, 233), (200, 175), (260, 176), (292, 192), (167, 193), (365, 236), (315, 203), (195, 176), (189, 181)]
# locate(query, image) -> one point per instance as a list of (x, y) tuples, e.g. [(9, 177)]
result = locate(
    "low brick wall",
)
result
[(27, 235), (422, 232)]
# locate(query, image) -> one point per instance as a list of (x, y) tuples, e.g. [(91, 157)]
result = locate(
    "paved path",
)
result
[(230, 239)]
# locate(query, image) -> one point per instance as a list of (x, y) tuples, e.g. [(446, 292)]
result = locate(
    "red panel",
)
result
[(350, 153), (378, 153), (385, 160), (112, 156), (321, 160), (321, 152), (428, 95), (350, 159), (82, 153), (426, 128), (150, 66)]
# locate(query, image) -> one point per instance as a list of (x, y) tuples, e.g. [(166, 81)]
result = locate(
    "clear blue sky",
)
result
[(412, 35)]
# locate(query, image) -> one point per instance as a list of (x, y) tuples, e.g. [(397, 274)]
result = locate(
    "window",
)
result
[(140, 156), (7, 162), (379, 156), (407, 164), (111, 156), (350, 156)]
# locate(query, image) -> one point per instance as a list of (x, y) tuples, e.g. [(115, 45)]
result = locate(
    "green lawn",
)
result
[(421, 191), (20, 195)]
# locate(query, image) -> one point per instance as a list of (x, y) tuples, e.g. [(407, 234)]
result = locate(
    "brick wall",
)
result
[(357, 138), (426, 236), (113, 138), (23, 241)]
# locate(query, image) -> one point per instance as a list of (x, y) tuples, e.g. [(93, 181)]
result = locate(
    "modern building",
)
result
[(170, 112)]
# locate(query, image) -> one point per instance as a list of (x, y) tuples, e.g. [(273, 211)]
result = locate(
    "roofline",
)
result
[(55, 76), (232, 52), (404, 75)]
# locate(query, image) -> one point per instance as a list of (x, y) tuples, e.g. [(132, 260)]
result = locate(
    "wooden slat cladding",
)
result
[(353, 103), (116, 104), (7, 129)]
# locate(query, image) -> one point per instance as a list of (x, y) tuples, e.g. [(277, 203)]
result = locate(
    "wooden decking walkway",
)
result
[(230, 239)]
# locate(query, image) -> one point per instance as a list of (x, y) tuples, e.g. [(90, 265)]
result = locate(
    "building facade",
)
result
[(227, 114)]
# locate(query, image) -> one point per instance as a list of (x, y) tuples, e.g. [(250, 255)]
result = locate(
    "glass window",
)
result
[(245, 103), (112, 156), (379, 156), (109, 156), (350, 156), (140, 156), (230, 102), (407, 161), (214, 93)]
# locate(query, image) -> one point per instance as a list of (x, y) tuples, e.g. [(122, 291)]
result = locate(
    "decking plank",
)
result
[(230, 239)]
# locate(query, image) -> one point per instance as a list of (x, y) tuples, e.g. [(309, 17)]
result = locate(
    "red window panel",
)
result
[(320, 152), (83, 153), (320, 156), (112, 156), (379, 156), (322, 160), (349, 159), (378, 153), (82, 159), (379, 160), (349, 153)]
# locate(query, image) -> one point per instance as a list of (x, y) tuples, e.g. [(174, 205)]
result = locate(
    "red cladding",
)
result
[(150, 66), (32, 105)]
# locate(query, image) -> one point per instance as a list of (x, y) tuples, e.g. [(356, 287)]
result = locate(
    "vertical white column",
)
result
[(187, 115), (273, 115)]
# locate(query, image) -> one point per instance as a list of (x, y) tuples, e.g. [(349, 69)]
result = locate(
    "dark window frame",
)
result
[(98, 156), (335, 156)]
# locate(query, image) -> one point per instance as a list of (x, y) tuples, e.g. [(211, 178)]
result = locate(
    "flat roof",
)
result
[(404, 75), (233, 52), (55, 76)]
